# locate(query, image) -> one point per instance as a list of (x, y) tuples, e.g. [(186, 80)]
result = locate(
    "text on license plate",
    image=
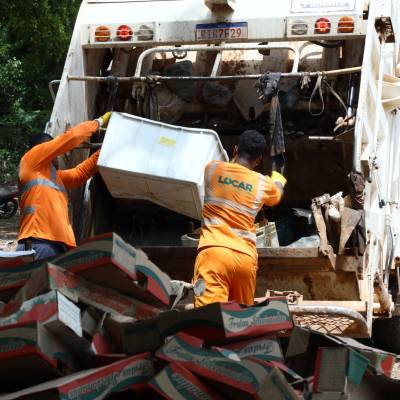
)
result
[(222, 31)]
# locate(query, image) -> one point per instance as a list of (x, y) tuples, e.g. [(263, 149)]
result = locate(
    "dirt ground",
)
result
[(9, 233)]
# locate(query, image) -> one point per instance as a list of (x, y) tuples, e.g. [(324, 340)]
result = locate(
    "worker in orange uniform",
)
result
[(234, 194), (44, 221)]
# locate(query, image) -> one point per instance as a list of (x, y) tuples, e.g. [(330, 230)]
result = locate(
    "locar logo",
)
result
[(235, 183)]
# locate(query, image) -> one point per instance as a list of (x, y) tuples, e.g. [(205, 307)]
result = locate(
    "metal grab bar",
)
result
[(51, 88), (219, 49), (149, 78)]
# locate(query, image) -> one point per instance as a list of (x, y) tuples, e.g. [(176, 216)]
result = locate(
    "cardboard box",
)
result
[(129, 374), (13, 275), (90, 321), (101, 360), (52, 309), (176, 383), (304, 343), (336, 367), (61, 316), (225, 371), (217, 323), (303, 347), (289, 373), (78, 289), (221, 322), (84, 338), (108, 261), (101, 343), (30, 354), (381, 361), (133, 337), (265, 348)]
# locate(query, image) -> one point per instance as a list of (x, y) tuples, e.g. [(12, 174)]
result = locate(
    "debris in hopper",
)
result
[(307, 241)]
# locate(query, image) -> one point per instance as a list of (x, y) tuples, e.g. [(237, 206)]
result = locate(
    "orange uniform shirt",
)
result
[(42, 189), (233, 197)]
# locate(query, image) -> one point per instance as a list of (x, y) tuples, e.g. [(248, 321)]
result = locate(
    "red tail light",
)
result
[(124, 32), (322, 26)]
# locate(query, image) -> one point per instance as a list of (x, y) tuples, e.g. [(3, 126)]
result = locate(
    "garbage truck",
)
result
[(200, 64)]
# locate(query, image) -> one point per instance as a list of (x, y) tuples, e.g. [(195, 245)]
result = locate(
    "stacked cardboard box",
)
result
[(94, 322), (108, 261)]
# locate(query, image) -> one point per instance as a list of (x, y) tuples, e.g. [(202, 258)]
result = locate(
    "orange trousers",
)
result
[(228, 275)]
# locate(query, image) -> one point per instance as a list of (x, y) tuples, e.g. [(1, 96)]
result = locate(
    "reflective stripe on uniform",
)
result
[(28, 210), (211, 221), (207, 221), (40, 182), (235, 206), (53, 172), (262, 183), (208, 179), (245, 234)]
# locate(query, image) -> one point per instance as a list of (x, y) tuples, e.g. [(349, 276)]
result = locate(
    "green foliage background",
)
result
[(34, 39)]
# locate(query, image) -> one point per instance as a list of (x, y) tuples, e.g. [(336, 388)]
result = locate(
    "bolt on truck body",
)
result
[(339, 102)]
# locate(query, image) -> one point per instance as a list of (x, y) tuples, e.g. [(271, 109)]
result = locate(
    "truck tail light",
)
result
[(124, 32), (346, 25), (299, 28), (322, 26), (102, 34)]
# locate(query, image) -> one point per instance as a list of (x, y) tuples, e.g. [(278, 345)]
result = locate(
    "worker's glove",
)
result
[(103, 120), (278, 178)]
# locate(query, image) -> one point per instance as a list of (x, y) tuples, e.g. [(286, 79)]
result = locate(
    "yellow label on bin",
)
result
[(167, 141)]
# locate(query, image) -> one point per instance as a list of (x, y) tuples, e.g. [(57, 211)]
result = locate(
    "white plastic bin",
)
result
[(145, 159)]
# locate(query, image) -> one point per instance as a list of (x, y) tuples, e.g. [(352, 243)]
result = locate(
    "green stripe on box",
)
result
[(91, 255), (148, 272), (182, 385)]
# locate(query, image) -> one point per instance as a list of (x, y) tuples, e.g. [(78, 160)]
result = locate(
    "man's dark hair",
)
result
[(251, 144), (34, 140)]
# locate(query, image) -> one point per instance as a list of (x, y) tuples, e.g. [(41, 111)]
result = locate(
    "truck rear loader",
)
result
[(196, 63)]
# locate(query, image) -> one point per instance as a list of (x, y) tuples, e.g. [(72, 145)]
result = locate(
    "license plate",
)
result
[(222, 31)]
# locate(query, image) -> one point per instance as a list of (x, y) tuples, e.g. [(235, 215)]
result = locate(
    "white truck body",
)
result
[(288, 25)]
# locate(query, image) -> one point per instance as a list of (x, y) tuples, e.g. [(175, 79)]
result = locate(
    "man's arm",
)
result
[(45, 152), (77, 176), (274, 188)]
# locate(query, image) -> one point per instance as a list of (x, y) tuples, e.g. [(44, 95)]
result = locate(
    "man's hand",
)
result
[(278, 179), (103, 120)]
